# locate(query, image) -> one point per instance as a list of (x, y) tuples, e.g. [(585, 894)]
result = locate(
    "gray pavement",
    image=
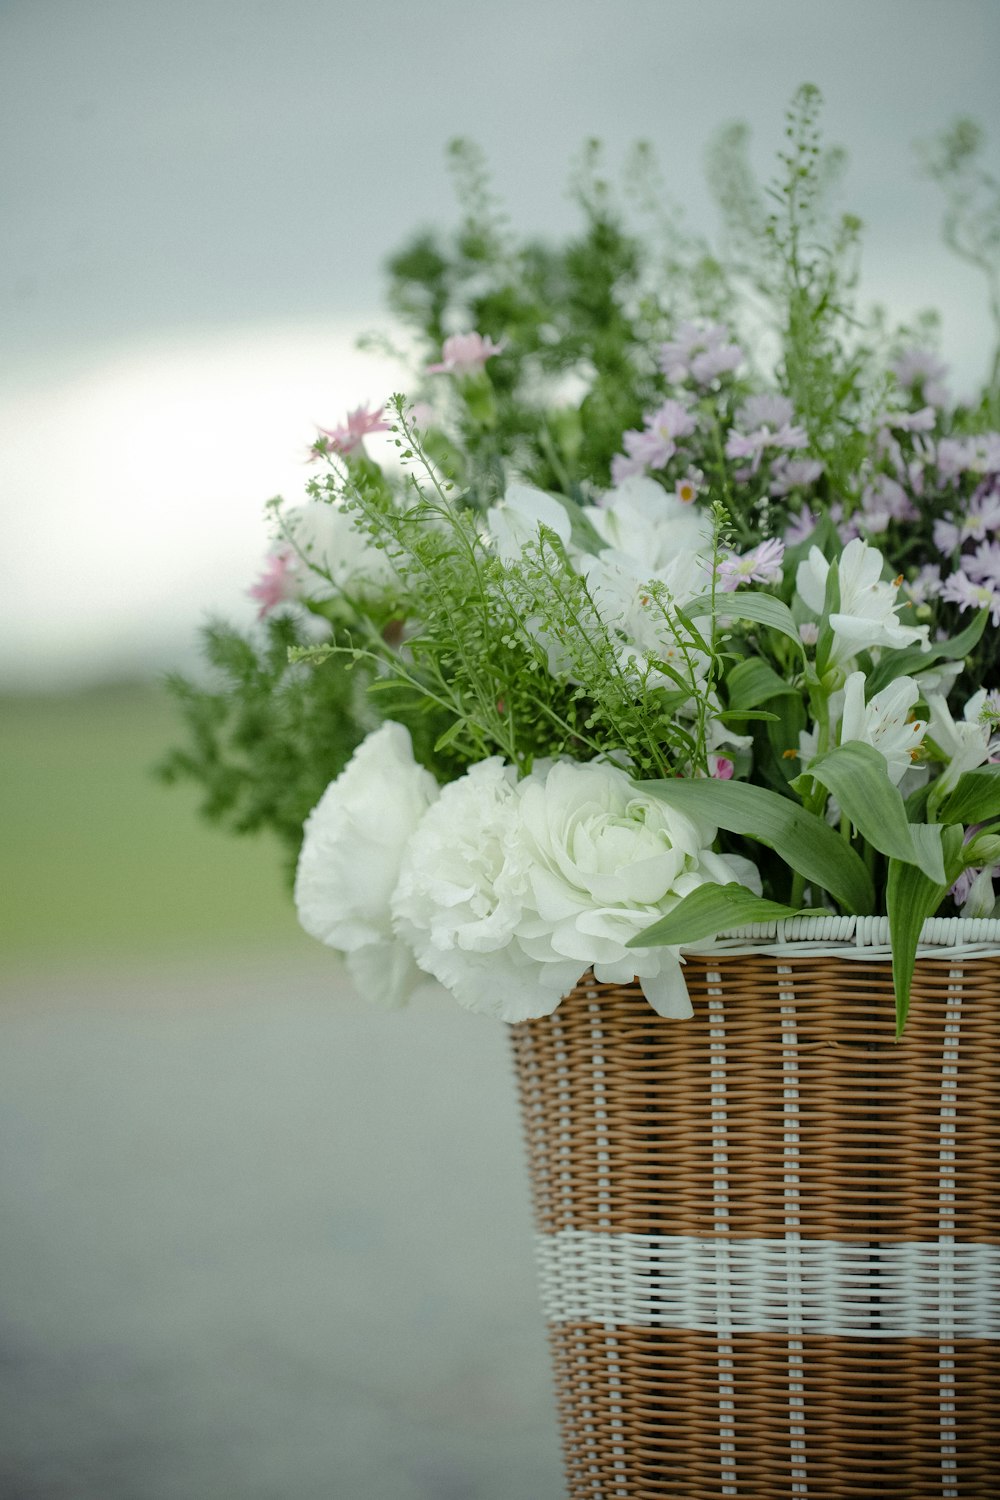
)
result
[(260, 1241)]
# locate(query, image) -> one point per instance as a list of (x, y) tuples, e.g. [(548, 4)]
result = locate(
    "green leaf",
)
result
[(762, 609), (710, 909), (743, 715), (856, 775), (911, 661), (752, 682), (912, 897), (975, 798), (800, 838)]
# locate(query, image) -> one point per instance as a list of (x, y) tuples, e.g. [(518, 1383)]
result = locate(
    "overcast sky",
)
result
[(197, 199)]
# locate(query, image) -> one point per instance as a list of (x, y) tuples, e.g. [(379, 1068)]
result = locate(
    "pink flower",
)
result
[(960, 590), (762, 565), (464, 353), (983, 515), (923, 420), (348, 436), (276, 584), (789, 474), (720, 767), (656, 445), (926, 585), (765, 411), (702, 353), (801, 526), (919, 368), (751, 445), (623, 468), (984, 565)]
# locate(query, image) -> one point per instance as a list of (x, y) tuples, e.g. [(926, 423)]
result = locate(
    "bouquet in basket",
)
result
[(668, 605)]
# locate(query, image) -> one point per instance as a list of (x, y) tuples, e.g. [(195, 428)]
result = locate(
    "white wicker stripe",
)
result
[(935, 1289), (864, 938)]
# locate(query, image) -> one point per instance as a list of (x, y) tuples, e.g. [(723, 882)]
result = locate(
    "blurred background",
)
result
[(259, 1240)]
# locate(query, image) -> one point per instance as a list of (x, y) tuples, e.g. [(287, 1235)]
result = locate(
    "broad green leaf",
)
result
[(911, 897), (750, 605), (911, 662), (711, 909), (753, 682), (800, 838), (975, 798), (856, 775)]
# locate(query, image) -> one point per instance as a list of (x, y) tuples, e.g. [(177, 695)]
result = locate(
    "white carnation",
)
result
[(460, 898), (353, 846)]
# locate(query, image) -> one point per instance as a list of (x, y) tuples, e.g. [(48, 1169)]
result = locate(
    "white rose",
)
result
[(604, 861), (460, 897), (349, 866), (332, 555)]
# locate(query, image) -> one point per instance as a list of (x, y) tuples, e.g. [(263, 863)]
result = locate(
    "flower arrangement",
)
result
[(671, 608)]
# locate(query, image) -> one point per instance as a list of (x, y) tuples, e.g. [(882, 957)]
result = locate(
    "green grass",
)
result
[(99, 861)]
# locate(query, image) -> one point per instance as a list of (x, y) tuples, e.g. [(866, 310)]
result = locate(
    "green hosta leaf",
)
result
[(975, 798), (912, 897), (800, 838), (911, 661), (760, 608), (711, 909), (856, 775)]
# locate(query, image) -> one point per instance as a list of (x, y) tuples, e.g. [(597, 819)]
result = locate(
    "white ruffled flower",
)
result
[(867, 614), (461, 897), (332, 555), (352, 850), (604, 861), (884, 722), (510, 891)]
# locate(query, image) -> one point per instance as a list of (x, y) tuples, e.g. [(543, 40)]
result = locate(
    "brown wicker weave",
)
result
[(767, 1236)]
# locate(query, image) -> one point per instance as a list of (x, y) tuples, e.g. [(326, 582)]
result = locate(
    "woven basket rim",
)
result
[(864, 938)]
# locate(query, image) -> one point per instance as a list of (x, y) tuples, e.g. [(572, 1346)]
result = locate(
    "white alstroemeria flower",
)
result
[(638, 611), (867, 615), (331, 555), (884, 722), (967, 743), (514, 521), (644, 528), (355, 839)]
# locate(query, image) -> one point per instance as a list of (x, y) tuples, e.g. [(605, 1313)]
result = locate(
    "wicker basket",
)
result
[(768, 1237)]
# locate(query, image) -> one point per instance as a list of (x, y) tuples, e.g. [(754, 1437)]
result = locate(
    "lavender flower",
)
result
[(762, 565), (702, 353)]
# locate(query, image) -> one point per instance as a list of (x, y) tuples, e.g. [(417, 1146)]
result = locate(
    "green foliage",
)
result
[(265, 737)]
